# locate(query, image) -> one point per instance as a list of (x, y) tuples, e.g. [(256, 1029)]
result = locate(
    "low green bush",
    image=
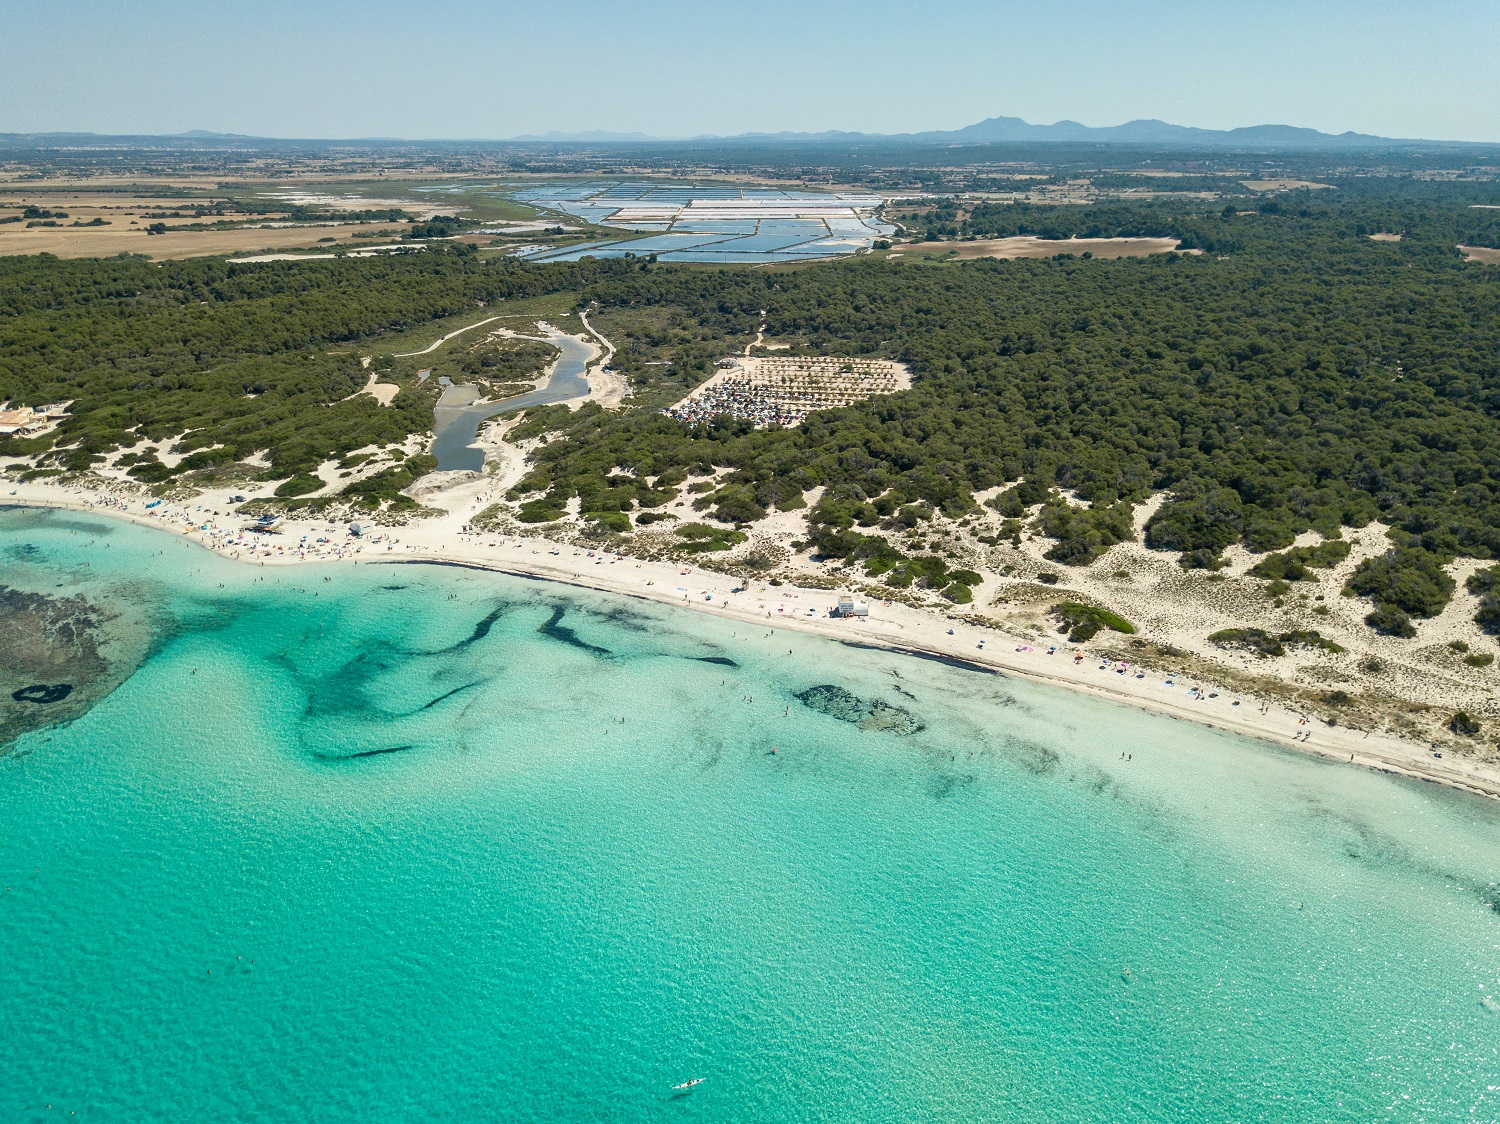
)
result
[(544, 510), (1295, 565), (1082, 622), (700, 538), (388, 483), (616, 521), (299, 485), (1256, 640), (1390, 621), (1310, 638)]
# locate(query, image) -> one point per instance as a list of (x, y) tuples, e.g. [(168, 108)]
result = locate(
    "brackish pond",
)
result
[(457, 417)]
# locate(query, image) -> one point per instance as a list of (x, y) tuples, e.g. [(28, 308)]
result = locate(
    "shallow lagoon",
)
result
[(372, 843), (456, 423)]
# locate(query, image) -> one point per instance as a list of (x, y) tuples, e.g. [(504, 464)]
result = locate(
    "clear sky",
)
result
[(498, 68)]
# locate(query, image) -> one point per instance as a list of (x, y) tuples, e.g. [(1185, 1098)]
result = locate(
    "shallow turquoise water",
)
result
[(214, 910)]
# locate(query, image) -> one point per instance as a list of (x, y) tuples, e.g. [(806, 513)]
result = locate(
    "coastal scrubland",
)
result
[(1250, 405)]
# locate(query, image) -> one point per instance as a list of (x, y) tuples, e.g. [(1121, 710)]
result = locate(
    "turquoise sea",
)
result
[(414, 843)]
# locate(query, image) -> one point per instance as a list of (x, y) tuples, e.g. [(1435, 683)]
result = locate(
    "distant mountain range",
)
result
[(1013, 130), (995, 130)]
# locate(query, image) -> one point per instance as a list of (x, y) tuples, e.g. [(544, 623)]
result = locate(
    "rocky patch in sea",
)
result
[(867, 714), (58, 657)]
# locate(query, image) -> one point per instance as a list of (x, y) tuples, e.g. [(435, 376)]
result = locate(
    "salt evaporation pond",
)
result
[(713, 223)]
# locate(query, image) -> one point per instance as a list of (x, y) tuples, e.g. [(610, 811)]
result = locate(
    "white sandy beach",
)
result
[(208, 520)]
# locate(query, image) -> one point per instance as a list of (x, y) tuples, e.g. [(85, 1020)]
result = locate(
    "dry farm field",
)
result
[(106, 221)]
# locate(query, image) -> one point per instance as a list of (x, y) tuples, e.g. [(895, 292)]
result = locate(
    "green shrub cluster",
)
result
[(1256, 640), (387, 485), (930, 571), (700, 538), (1485, 584), (1404, 582), (1265, 643), (299, 485), (608, 522), (1082, 622), (1297, 564), (1310, 638), (1390, 621), (1083, 534)]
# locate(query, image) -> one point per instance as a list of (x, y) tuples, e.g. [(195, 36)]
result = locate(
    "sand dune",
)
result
[(804, 607)]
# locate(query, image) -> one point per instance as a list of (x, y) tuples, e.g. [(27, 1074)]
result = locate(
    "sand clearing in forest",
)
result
[(1031, 247), (1284, 185), (1485, 254)]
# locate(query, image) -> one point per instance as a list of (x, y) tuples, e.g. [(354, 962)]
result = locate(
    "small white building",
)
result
[(849, 607)]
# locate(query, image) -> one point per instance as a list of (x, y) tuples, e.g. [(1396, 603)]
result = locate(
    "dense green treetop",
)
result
[(1311, 380), (1297, 376), (249, 358)]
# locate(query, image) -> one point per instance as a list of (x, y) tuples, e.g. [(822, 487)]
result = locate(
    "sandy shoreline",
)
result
[(891, 627)]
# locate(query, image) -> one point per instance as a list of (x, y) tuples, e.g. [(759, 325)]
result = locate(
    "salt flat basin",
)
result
[(457, 416)]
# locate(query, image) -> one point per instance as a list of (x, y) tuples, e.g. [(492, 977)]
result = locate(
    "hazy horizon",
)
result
[(456, 69), (207, 132)]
